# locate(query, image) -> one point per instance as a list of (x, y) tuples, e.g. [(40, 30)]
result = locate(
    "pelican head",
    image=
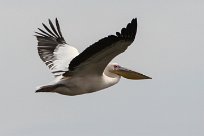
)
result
[(114, 68)]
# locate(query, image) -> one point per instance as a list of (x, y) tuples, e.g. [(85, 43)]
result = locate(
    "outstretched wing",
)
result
[(94, 59), (53, 50)]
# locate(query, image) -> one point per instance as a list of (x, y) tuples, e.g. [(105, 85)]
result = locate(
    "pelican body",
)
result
[(89, 71)]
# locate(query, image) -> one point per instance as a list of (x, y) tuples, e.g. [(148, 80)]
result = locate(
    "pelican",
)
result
[(90, 71)]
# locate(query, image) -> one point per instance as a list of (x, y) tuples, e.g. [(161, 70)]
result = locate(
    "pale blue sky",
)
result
[(169, 47)]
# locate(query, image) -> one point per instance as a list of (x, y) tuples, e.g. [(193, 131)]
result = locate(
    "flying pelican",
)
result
[(89, 71)]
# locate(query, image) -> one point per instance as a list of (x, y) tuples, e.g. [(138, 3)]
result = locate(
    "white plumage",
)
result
[(64, 54), (88, 71)]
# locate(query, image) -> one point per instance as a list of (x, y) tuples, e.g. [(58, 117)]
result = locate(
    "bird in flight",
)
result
[(90, 71)]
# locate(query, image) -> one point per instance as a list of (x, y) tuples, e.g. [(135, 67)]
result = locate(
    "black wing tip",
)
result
[(134, 23), (128, 32), (51, 32), (134, 20)]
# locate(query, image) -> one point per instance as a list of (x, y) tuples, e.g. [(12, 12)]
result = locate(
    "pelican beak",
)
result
[(129, 74)]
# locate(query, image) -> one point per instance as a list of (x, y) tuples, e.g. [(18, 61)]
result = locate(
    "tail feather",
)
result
[(47, 88)]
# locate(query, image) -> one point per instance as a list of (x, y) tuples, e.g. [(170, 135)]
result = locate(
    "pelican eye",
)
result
[(116, 67)]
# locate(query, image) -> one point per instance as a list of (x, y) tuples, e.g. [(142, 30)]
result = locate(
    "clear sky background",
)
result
[(169, 47)]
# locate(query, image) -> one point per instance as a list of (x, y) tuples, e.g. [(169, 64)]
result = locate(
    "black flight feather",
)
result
[(58, 28), (49, 30), (53, 28)]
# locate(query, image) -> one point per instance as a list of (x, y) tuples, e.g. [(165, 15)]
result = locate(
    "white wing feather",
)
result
[(53, 50), (63, 55)]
